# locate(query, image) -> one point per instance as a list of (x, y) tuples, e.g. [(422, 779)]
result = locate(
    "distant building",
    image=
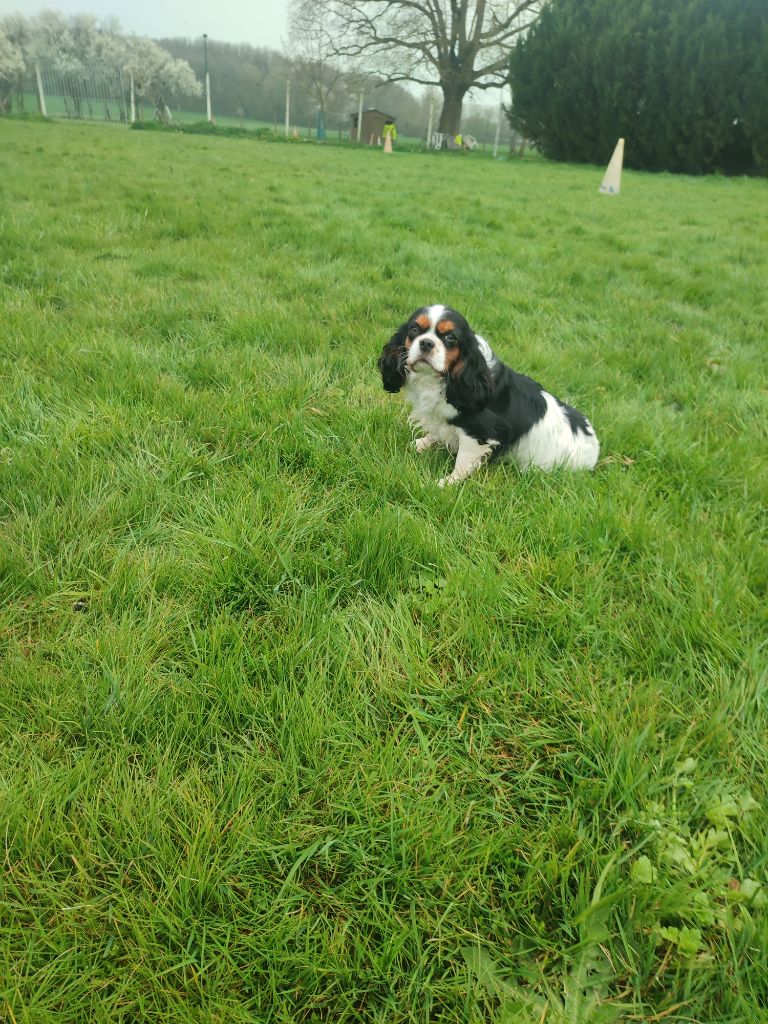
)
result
[(373, 125)]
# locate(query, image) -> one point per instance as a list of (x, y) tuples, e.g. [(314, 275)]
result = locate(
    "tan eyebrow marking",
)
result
[(423, 321), (444, 326)]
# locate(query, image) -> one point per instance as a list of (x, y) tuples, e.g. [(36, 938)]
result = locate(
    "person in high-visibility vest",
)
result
[(390, 130)]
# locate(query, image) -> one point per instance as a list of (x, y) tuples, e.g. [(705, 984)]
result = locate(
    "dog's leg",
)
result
[(422, 443), (470, 455)]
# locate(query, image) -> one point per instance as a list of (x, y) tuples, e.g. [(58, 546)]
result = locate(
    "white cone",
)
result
[(611, 183)]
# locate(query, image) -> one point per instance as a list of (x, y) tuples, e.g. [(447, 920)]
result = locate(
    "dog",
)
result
[(464, 397)]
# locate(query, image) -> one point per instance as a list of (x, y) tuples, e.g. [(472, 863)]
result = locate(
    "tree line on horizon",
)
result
[(685, 82), (246, 81), (250, 81)]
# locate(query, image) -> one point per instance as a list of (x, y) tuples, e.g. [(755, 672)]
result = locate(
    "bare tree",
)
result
[(456, 45), (310, 57)]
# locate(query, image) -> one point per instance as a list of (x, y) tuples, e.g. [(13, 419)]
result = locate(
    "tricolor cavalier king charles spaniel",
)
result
[(464, 397)]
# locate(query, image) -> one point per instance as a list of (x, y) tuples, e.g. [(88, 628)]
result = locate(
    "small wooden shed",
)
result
[(373, 125)]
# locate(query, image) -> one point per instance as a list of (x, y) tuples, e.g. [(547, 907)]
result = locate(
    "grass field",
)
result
[(287, 732)]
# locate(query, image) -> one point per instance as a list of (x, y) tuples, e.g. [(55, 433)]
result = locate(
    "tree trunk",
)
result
[(450, 115)]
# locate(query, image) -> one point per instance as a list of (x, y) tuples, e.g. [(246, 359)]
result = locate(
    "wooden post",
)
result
[(40, 93), (431, 122), (133, 100), (359, 118), (287, 108)]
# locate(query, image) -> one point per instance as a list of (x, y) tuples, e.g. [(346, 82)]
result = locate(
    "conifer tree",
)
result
[(684, 81)]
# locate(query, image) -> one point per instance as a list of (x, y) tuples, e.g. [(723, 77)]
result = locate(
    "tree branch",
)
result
[(455, 44)]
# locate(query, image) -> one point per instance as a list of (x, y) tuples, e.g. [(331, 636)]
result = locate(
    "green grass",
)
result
[(289, 733)]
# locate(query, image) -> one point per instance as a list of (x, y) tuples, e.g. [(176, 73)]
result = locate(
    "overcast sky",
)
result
[(258, 22)]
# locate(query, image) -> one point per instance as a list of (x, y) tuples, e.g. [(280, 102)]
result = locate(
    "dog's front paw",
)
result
[(422, 443), (446, 481)]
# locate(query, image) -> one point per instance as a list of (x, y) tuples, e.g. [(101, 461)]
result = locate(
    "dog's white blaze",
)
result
[(435, 313), (551, 442)]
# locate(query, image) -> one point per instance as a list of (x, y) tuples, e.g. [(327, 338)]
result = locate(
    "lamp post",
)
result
[(207, 77)]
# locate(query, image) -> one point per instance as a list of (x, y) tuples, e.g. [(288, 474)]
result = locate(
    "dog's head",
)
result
[(438, 340)]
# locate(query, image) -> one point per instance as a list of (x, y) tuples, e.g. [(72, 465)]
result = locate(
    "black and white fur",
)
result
[(464, 397)]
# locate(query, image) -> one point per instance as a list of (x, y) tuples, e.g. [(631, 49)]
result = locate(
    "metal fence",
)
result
[(97, 92)]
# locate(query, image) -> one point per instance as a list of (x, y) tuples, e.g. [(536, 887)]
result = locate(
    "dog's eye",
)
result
[(413, 331), (451, 339)]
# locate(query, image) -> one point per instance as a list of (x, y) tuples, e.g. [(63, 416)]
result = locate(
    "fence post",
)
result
[(133, 101), (359, 118), (40, 93), (498, 130)]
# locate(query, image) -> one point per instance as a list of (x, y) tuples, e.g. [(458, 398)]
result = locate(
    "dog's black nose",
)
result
[(426, 345)]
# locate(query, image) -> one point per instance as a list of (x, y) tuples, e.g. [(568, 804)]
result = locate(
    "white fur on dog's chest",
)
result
[(425, 391)]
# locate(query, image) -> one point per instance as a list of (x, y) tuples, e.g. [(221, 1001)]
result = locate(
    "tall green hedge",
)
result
[(684, 81)]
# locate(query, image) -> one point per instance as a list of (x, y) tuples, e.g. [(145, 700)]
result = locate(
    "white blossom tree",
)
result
[(70, 45), (156, 74), (12, 62)]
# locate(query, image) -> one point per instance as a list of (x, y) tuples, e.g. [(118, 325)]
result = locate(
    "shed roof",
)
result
[(375, 110)]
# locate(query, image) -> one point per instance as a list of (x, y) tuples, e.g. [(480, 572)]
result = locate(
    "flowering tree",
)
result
[(155, 72), (12, 63), (70, 45)]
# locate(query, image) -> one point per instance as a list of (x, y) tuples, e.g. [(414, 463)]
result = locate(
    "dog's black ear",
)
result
[(392, 361), (468, 383)]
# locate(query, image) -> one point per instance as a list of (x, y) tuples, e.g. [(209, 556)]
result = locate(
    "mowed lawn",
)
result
[(287, 733)]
